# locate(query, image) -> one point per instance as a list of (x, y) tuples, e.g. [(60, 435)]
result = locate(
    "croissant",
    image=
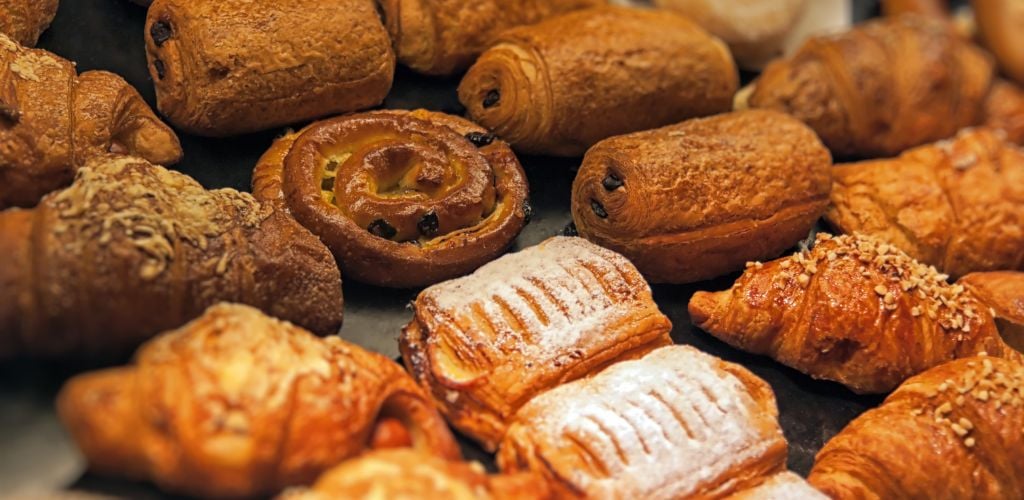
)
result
[(676, 423), (1003, 291), (957, 204), (53, 120), (484, 344), (673, 201), (410, 475), (882, 87), (24, 20), (443, 37), (951, 432), (562, 85), (237, 404), (1004, 110), (403, 199), (854, 310), (999, 23), (234, 66), (781, 486), (132, 249)]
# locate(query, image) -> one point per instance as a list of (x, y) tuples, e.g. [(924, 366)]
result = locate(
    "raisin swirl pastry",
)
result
[(238, 404), (403, 199), (485, 344)]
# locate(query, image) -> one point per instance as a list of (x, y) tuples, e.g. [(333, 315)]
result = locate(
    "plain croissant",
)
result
[(25, 20)]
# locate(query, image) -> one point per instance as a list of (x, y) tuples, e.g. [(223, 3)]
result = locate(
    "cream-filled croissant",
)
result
[(53, 120), (855, 310), (25, 20), (484, 344), (560, 86), (237, 404), (676, 423)]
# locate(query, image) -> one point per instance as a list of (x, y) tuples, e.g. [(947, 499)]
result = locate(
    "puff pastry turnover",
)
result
[(485, 344)]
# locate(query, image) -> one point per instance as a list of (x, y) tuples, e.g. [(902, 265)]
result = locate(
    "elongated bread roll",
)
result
[(560, 86)]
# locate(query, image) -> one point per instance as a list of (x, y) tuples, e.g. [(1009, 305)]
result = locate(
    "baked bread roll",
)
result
[(235, 66), (443, 37), (677, 423), (407, 475), (957, 204), (1003, 291), (1004, 110), (882, 87), (484, 344), (853, 310), (952, 432), (53, 120), (673, 201), (24, 20), (403, 199), (754, 29), (999, 28), (560, 86), (132, 249), (237, 404)]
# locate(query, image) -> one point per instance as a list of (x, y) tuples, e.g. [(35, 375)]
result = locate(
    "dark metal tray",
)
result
[(36, 454)]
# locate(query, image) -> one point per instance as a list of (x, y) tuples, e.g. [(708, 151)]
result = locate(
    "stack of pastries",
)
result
[(555, 359)]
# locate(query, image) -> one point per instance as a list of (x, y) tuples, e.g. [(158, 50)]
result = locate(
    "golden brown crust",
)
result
[(442, 37), (676, 423), (957, 204), (781, 486), (936, 9), (403, 199), (954, 431), (485, 344), (673, 201), (999, 23), (407, 474), (236, 66), (131, 249), (882, 87), (25, 20), (562, 85), (854, 310), (53, 120), (1004, 110), (1003, 291), (237, 404)]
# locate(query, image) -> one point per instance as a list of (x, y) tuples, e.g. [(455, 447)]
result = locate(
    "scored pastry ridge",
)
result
[(486, 343)]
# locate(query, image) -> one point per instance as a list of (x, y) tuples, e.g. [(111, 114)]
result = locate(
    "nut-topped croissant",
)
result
[(955, 431), (24, 20), (854, 310), (237, 404), (676, 423), (408, 474), (882, 87), (442, 37), (403, 199), (53, 120), (1003, 291), (131, 249), (957, 204), (485, 344)]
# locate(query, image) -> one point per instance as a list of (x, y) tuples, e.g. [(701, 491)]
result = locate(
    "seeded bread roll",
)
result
[(25, 20), (562, 85), (697, 200), (442, 37), (234, 66)]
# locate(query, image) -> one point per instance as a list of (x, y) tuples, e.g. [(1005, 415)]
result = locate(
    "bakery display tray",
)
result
[(36, 454)]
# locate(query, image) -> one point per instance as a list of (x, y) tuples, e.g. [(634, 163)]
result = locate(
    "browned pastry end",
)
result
[(25, 20), (1004, 110), (957, 204), (132, 249), (882, 87), (235, 66), (403, 198), (697, 200), (936, 9), (676, 423), (53, 120), (999, 28), (487, 343), (955, 432), (560, 86), (237, 404), (443, 37), (409, 475), (1003, 291), (854, 310)]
